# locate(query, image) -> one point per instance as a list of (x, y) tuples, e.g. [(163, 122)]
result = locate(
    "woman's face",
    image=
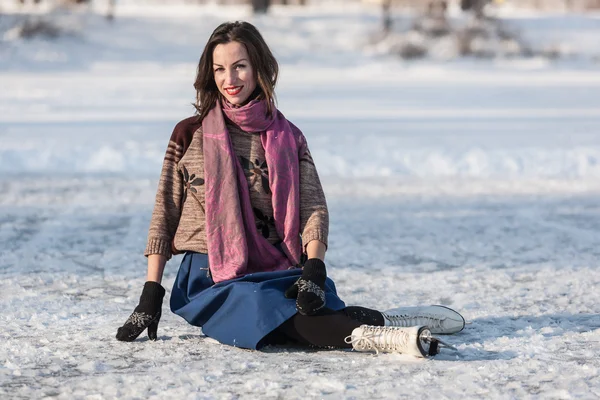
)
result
[(233, 72)]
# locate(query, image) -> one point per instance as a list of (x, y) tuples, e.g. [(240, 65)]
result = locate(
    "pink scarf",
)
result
[(235, 246)]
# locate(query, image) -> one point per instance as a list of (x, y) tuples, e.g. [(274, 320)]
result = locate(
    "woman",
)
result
[(240, 195)]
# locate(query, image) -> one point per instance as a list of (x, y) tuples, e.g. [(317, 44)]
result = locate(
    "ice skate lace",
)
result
[(384, 338), (429, 320)]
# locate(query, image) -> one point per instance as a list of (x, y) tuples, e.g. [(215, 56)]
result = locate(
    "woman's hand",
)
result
[(309, 290), (146, 314)]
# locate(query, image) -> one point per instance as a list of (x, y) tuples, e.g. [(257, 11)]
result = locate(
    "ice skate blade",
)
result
[(432, 345), (444, 344)]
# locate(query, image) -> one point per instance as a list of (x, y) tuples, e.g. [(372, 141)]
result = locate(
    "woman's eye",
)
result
[(218, 69), (239, 66)]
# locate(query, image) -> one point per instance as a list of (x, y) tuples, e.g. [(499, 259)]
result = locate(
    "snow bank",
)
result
[(366, 158), (75, 158), (475, 162)]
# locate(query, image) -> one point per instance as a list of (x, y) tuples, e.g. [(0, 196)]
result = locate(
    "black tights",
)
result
[(328, 328)]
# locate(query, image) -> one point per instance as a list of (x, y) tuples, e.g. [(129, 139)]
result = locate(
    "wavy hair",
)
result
[(262, 60)]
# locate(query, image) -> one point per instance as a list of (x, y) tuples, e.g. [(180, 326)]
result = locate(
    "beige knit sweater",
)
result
[(178, 219)]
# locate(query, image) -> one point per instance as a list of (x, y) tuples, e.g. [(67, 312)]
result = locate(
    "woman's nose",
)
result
[(231, 77)]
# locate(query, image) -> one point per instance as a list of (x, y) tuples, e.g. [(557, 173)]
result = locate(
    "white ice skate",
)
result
[(439, 319), (415, 340)]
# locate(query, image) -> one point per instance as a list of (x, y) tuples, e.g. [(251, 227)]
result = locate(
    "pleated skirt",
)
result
[(239, 312)]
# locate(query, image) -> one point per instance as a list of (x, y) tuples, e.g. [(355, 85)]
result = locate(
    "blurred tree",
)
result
[(434, 22), (56, 20), (110, 14), (260, 6), (386, 6), (62, 1), (475, 6), (289, 2), (593, 4)]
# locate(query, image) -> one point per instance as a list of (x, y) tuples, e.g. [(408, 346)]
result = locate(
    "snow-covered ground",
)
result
[(470, 184)]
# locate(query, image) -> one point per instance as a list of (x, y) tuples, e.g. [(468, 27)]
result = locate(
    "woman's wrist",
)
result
[(156, 266), (316, 249)]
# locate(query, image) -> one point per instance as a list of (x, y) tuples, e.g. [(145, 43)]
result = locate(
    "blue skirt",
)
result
[(239, 312)]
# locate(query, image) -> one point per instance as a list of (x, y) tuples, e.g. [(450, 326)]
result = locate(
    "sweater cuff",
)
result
[(158, 246), (317, 234)]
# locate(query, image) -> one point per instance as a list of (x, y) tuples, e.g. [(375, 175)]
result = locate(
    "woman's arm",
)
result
[(156, 266), (316, 249), (314, 216), (168, 202)]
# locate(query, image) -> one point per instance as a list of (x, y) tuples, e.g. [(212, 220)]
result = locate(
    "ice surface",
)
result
[(471, 184)]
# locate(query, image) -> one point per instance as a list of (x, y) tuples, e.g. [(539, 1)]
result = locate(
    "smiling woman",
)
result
[(240, 195), (234, 74), (238, 65)]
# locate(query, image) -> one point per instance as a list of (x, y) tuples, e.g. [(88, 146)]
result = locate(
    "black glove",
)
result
[(309, 289), (145, 315)]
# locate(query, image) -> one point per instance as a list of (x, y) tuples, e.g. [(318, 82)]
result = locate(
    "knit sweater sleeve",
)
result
[(167, 204), (314, 216)]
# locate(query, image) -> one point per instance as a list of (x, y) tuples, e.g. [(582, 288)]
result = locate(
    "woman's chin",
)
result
[(237, 100)]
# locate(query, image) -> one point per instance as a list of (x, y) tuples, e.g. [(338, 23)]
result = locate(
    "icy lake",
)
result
[(473, 184)]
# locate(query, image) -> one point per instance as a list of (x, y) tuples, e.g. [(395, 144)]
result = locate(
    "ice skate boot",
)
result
[(415, 340), (439, 319)]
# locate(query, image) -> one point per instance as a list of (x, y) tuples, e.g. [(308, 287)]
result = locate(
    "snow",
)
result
[(472, 184)]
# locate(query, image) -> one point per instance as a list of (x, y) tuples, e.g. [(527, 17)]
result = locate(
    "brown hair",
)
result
[(262, 60)]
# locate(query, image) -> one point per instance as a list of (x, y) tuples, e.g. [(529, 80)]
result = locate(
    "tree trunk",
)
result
[(387, 16), (260, 6), (110, 15)]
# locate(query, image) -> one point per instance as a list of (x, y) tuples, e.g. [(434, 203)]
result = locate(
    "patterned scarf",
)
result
[(235, 246)]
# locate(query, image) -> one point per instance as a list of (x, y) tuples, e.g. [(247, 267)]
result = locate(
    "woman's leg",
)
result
[(364, 315), (329, 328), (326, 329)]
